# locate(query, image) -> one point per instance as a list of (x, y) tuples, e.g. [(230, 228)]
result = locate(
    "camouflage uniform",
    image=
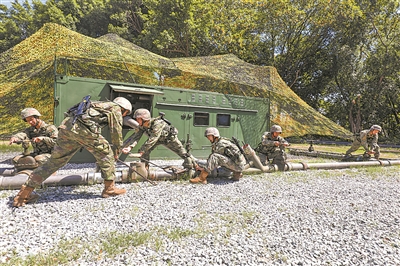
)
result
[(368, 141), (42, 149), (225, 153), (159, 132), (267, 150), (85, 133)]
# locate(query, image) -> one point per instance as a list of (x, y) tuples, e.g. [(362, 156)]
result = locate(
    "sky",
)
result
[(6, 2)]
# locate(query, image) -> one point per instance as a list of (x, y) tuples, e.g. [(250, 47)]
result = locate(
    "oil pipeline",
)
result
[(137, 172)]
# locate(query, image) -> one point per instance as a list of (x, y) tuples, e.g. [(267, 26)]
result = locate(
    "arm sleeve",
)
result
[(154, 136), (363, 140), (115, 124), (135, 137), (21, 135), (51, 136), (374, 142)]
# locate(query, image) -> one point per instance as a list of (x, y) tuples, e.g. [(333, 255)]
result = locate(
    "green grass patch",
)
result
[(115, 243), (5, 147), (67, 251)]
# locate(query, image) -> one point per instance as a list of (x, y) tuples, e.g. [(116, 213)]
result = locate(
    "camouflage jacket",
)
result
[(226, 147), (268, 144), (48, 133), (158, 131), (367, 139), (99, 115)]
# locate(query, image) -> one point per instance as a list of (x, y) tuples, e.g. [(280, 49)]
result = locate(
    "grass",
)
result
[(392, 153), (6, 147), (112, 244)]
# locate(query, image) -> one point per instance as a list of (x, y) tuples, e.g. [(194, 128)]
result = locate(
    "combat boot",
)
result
[(110, 189), (202, 178), (236, 176), (24, 196)]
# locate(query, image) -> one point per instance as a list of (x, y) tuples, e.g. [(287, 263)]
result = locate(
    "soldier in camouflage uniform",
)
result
[(368, 139), (42, 136), (272, 147), (84, 133), (159, 132), (224, 153)]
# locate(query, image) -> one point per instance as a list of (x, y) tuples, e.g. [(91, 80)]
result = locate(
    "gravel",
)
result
[(319, 217)]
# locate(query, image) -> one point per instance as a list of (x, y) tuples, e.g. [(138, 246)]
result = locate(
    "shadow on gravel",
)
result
[(7, 161), (59, 194), (220, 181)]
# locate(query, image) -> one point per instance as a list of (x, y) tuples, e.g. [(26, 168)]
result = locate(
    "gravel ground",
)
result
[(319, 217)]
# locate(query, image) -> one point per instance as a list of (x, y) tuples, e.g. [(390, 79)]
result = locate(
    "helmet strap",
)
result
[(38, 122)]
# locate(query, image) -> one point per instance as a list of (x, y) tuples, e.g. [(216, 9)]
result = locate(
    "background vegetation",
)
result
[(339, 56)]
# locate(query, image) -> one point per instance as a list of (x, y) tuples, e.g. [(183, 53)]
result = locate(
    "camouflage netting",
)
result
[(27, 77)]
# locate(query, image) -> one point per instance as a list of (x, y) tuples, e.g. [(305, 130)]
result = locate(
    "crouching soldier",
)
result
[(159, 132), (82, 129), (41, 136), (272, 147), (368, 139), (224, 153)]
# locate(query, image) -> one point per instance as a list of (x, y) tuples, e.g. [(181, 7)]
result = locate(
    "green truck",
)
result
[(190, 111)]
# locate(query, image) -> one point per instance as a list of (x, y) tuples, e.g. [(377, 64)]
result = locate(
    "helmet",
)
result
[(29, 112), (124, 103), (142, 113), (376, 127), (211, 131), (276, 128)]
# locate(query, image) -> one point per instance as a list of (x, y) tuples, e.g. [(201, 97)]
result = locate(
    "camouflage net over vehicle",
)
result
[(27, 77)]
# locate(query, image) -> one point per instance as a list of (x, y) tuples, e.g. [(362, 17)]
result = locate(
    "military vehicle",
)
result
[(190, 111)]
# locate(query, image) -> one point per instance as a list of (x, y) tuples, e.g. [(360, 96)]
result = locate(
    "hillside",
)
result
[(27, 77)]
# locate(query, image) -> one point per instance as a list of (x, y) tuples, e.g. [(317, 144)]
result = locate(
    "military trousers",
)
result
[(172, 143), (278, 157), (216, 159), (68, 143), (357, 144)]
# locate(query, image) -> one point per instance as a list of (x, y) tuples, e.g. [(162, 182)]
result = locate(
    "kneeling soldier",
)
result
[(272, 148), (42, 137), (225, 153)]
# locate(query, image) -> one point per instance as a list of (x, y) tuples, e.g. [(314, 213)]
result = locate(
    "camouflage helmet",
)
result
[(212, 131), (142, 113), (376, 127), (276, 128), (124, 103), (29, 112)]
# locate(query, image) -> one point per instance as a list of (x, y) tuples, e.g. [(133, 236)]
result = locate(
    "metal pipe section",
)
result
[(130, 122), (128, 176), (252, 156), (342, 165)]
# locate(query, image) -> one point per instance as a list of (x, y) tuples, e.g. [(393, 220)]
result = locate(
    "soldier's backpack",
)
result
[(79, 109)]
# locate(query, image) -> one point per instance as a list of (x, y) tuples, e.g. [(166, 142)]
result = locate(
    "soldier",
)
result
[(368, 139), (76, 132), (41, 135), (224, 153), (159, 132), (272, 147)]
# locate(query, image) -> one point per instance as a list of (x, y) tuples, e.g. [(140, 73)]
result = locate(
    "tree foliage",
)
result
[(340, 56)]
